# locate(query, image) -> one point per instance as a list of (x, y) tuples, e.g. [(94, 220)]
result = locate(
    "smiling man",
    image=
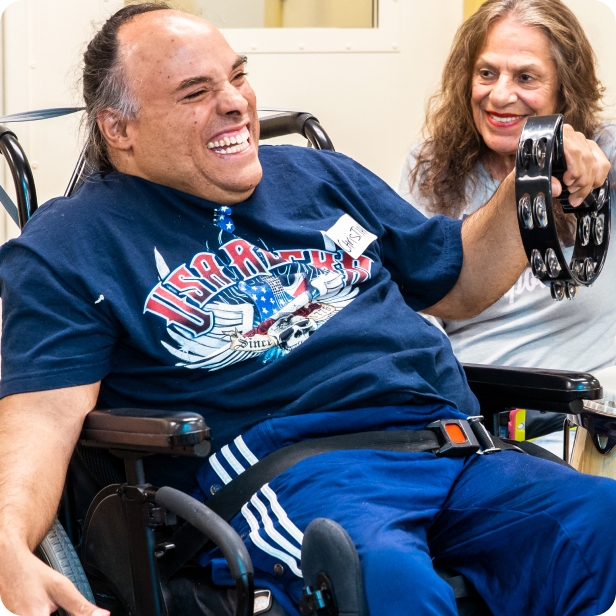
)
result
[(195, 271)]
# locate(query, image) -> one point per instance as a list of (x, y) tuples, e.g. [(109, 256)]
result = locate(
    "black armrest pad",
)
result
[(544, 390), (146, 430)]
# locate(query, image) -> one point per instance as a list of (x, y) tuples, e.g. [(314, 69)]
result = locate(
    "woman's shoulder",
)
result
[(479, 185), (412, 157), (606, 139), (407, 191)]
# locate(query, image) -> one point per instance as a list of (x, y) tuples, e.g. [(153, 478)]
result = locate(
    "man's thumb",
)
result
[(75, 603)]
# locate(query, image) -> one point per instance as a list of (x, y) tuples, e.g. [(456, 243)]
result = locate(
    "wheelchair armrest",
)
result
[(499, 388), (144, 430)]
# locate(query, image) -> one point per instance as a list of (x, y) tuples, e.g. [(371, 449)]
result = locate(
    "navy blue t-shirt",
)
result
[(132, 283)]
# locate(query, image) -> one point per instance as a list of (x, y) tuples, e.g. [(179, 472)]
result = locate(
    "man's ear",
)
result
[(115, 129)]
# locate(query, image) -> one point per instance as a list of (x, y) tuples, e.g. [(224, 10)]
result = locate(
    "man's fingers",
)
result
[(65, 595)]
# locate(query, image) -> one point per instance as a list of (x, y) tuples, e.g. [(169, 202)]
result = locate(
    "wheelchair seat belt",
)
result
[(450, 438), (447, 438)]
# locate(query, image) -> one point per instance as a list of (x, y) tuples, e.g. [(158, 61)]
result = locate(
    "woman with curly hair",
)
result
[(514, 59)]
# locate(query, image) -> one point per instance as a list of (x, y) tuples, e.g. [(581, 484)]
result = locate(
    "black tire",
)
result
[(57, 551)]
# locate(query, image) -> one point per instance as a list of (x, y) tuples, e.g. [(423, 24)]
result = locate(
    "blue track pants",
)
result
[(534, 538)]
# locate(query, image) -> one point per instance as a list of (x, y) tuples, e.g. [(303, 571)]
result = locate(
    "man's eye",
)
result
[(192, 95), (240, 76)]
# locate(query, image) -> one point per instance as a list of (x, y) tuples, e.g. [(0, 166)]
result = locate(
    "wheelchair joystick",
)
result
[(546, 239)]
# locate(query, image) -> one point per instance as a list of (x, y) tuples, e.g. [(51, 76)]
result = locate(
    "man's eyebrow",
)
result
[(195, 81), (192, 81), (239, 61)]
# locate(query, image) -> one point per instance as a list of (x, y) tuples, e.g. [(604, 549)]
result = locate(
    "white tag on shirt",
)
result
[(350, 236)]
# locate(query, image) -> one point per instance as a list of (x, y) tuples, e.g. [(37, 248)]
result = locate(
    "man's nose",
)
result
[(230, 100), (503, 93)]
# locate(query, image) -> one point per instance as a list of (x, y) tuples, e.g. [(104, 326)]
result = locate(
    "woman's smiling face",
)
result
[(514, 77)]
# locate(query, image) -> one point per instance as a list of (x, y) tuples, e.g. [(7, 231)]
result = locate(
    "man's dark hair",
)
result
[(104, 83)]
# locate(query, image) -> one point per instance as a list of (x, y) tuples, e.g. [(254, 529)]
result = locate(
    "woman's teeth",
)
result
[(231, 145), (506, 119)]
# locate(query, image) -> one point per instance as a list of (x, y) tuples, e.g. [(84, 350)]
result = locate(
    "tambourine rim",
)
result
[(552, 240)]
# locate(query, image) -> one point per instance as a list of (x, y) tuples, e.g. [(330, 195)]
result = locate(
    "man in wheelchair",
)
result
[(274, 290)]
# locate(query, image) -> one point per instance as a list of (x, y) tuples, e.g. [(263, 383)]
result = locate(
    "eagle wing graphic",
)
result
[(227, 317), (217, 350)]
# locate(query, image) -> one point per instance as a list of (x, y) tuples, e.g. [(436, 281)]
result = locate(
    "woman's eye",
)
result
[(485, 73), (525, 78)]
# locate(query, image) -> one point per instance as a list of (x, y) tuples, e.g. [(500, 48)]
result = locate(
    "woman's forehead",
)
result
[(518, 45)]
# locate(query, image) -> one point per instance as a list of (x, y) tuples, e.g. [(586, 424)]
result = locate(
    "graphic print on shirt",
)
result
[(245, 301), (525, 283)]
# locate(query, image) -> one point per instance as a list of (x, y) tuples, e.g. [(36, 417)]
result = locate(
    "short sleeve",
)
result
[(423, 255), (53, 334), (425, 259)]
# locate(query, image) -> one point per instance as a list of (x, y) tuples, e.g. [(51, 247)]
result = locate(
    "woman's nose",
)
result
[(503, 92)]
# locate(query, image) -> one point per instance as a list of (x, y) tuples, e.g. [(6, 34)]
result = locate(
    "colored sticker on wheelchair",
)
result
[(244, 301)]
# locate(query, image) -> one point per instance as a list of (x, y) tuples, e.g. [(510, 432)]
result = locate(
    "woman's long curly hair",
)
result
[(453, 145)]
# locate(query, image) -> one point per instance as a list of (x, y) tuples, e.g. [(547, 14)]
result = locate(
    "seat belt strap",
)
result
[(230, 499)]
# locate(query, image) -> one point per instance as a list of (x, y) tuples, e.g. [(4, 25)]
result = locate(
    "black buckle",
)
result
[(456, 438), (483, 436)]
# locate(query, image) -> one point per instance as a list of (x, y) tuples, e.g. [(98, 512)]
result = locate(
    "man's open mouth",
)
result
[(231, 143)]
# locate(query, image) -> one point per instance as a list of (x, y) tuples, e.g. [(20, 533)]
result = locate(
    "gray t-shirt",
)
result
[(526, 327)]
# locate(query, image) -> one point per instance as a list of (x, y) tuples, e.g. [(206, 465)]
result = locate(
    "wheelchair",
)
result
[(130, 547)]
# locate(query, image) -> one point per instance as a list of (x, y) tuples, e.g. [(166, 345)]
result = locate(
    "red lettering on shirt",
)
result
[(243, 257), (186, 283), (210, 270), (177, 311), (357, 270), (322, 259)]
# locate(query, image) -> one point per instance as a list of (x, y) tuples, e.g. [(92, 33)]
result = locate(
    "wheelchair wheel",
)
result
[(57, 551)]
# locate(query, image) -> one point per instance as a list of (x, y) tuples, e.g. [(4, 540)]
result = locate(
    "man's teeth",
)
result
[(505, 119), (231, 145)]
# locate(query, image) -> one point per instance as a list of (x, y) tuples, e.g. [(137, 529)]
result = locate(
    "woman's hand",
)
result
[(587, 166)]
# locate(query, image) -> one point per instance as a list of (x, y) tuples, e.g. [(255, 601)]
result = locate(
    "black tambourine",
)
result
[(564, 262)]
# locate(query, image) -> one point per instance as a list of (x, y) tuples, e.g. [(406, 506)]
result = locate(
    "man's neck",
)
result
[(202, 190)]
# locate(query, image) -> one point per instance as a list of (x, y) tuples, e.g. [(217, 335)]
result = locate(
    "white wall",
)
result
[(372, 104), (599, 22), (43, 41)]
